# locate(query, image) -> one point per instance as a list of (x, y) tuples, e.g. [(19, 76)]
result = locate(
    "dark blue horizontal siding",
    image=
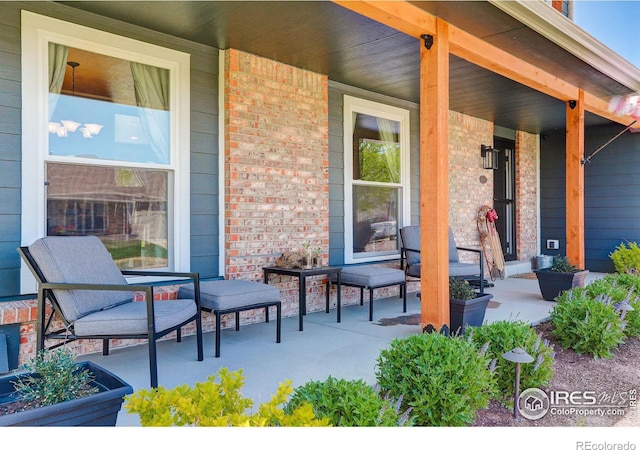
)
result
[(612, 193)]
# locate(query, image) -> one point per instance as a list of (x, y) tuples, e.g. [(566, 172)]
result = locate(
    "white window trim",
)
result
[(352, 105), (37, 31)]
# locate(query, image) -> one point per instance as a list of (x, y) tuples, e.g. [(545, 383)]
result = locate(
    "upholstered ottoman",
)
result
[(372, 277), (233, 296)]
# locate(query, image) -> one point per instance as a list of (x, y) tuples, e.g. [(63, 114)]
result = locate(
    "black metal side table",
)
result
[(302, 275)]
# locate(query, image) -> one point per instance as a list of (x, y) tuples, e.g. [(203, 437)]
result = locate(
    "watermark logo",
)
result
[(534, 403)]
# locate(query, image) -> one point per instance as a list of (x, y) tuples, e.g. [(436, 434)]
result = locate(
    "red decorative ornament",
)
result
[(492, 215)]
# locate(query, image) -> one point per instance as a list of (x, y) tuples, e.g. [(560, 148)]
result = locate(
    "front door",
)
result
[(504, 191)]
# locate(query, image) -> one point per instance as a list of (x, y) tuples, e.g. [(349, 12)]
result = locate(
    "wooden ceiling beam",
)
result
[(413, 21), (402, 16)]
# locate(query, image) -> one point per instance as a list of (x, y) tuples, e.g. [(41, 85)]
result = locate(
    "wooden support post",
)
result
[(434, 178), (575, 181)]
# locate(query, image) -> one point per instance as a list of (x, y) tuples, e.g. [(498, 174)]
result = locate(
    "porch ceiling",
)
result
[(326, 38)]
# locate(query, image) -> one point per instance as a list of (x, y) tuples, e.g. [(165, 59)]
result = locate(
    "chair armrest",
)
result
[(93, 287), (192, 275), (475, 250)]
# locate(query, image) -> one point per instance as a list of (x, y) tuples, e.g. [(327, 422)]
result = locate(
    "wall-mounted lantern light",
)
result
[(489, 157)]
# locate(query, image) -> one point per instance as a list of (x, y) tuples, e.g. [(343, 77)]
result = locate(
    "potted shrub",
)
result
[(54, 390), (560, 277), (466, 306)]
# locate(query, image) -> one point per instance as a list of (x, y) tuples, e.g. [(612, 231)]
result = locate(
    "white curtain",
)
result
[(391, 148), (151, 86), (58, 55)]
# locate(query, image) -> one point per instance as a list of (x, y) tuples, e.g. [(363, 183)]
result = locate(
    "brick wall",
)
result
[(276, 169), (470, 186)]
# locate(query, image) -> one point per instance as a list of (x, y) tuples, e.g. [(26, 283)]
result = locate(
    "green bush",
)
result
[(622, 287), (444, 380), (626, 258), (53, 377), (503, 336), (216, 404), (587, 324), (348, 403), (562, 264)]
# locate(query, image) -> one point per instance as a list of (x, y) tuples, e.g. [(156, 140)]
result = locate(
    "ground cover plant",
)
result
[(214, 403), (444, 380), (349, 403), (622, 287), (626, 258), (587, 324), (575, 372), (503, 336)]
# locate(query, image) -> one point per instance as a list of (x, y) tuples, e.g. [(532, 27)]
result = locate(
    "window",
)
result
[(376, 179), (105, 143)]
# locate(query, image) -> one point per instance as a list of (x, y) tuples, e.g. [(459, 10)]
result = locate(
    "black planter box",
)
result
[(552, 284), (100, 409), (464, 313)]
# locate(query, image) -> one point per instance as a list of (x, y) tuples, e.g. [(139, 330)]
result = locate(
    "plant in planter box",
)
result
[(466, 307), (55, 390), (560, 277)]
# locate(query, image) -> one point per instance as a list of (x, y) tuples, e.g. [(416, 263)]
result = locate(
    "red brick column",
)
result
[(526, 195)]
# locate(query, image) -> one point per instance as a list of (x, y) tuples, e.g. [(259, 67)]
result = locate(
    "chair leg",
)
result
[(199, 336), (153, 363), (217, 334), (179, 335), (266, 314), (105, 347), (326, 309), (361, 296), (403, 291), (370, 304), (278, 317), (238, 321)]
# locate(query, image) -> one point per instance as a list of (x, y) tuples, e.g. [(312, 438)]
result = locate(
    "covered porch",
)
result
[(348, 349)]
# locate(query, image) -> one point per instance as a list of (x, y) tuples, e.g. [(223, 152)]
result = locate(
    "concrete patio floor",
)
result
[(343, 350)]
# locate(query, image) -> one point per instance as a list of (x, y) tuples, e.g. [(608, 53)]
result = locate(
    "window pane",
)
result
[(107, 108), (375, 219), (376, 149), (126, 208)]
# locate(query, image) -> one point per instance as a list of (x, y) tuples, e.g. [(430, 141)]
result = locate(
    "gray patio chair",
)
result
[(92, 298), (410, 260)]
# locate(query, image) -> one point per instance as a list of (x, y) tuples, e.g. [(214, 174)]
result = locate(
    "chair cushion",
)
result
[(131, 318), (414, 270), (220, 295), (79, 259), (463, 269), (368, 276), (410, 236)]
